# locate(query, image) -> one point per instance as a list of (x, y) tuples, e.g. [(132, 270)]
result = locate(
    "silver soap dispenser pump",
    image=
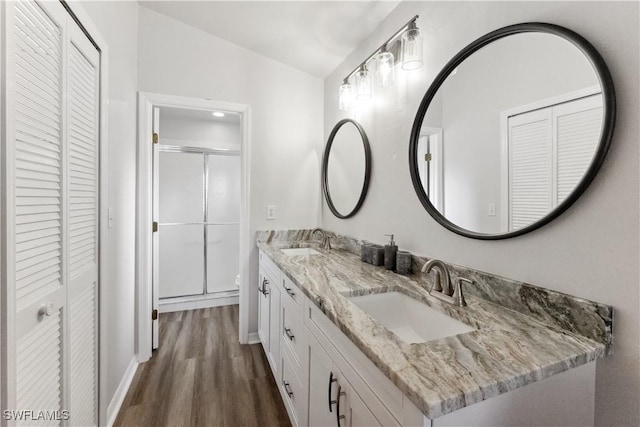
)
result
[(390, 251)]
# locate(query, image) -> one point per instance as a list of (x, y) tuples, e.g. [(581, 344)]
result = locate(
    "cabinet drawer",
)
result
[(294, 335), (293, 292), (292, 297), (293, 392)]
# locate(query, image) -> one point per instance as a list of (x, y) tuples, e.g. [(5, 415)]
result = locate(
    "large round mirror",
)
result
[(346, 167), (512, 131)]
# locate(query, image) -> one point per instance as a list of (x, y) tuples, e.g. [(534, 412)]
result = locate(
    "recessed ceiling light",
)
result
[(218, 114)]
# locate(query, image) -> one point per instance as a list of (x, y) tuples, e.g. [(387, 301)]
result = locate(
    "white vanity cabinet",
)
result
[(269, 318), (325, 380)]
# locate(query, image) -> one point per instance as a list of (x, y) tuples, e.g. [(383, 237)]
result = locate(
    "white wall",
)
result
[(592, 250), (118, 22), (286, 115)]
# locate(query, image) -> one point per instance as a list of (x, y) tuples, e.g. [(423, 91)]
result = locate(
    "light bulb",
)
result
[(385, 72), (364, 88), (218, 114), (345, 96), (412, 48)]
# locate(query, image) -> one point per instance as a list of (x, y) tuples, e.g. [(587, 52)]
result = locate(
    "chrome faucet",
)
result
[(445, 292), (326, 240)]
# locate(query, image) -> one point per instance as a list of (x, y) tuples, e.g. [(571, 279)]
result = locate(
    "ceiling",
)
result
[(312, 36)]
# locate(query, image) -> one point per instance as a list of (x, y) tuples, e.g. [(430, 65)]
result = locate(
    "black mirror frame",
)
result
[(367, 171), (609, 115)]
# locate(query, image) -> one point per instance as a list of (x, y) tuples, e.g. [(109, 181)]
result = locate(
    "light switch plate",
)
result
[(271, 211), (492, 209), (109, 217)]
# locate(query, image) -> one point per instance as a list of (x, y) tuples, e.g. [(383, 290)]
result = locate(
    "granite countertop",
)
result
[(506, 351)]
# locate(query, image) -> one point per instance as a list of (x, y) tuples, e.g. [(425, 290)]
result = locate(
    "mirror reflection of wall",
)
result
[(481, 192)]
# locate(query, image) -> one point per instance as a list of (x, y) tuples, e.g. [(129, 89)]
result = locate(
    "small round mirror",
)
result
[(346, 167), (512, 131)]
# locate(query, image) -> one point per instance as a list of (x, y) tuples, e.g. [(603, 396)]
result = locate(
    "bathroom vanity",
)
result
[(340, 341)]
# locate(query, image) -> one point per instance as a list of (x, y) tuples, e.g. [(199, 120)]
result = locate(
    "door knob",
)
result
[(46, 309)]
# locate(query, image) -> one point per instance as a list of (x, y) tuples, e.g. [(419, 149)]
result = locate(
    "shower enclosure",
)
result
[(197, 202)]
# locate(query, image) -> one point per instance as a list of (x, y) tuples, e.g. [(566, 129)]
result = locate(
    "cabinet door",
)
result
[(274, 326), (360, 415), (263, 311), (323, 387)]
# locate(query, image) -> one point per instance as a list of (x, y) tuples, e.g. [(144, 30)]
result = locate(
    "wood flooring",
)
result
[(202, 376)]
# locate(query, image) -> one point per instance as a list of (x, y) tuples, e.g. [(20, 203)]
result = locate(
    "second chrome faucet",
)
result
[(442, 287), (326, 240)]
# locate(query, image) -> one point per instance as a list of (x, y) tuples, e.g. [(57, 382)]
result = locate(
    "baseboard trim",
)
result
[(121, 392), (180, 304), (254, 338)]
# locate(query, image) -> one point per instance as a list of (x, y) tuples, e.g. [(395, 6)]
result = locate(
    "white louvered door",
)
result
[(550, 150), (82, 231), (530, 157), (577, 127), (51, 214)]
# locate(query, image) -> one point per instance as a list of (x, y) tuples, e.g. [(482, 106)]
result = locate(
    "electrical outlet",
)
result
[(271, 211), (492, 209)]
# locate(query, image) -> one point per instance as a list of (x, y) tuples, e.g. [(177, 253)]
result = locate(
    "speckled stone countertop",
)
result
[(506, 351)]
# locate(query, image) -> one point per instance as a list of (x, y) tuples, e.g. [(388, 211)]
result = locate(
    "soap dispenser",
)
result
[(390, 251)]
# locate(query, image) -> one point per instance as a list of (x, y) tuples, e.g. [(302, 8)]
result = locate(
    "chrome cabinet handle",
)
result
[(288, 333), (290, 291), (332, 380), (338, 416), (287, 388), (264, 289)]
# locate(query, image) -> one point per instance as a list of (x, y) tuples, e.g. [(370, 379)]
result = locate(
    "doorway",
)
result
[(193, 236)]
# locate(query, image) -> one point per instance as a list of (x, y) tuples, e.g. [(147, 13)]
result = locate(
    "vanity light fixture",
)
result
[(218, 114), (364, 86), (405, 43), (345, 95), (385, 67), (412, 48)]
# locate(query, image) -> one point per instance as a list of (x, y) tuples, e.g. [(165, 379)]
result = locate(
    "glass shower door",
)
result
[(223, 221), (199, 221), (181, 256)]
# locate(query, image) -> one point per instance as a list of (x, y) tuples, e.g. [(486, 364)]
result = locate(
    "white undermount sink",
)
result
[(409, 319), (300, 251)]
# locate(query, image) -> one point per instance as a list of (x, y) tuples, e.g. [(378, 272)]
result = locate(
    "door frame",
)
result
[(144, 210), (7, 302)]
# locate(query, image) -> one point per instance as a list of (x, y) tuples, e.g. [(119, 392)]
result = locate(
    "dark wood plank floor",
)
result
[(202, 376)]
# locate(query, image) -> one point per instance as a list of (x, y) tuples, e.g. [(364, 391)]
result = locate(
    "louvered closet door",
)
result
[(36, 40), (82, 231), (577, 127), (530, 177), (52, 216)]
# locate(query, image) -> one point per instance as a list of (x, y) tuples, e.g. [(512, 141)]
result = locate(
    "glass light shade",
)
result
[(345, 96), (385, 72), (364, 86), (411, 49)]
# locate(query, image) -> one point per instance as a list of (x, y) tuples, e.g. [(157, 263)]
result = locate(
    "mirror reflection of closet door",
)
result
[(223, 221), (181, 255)]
